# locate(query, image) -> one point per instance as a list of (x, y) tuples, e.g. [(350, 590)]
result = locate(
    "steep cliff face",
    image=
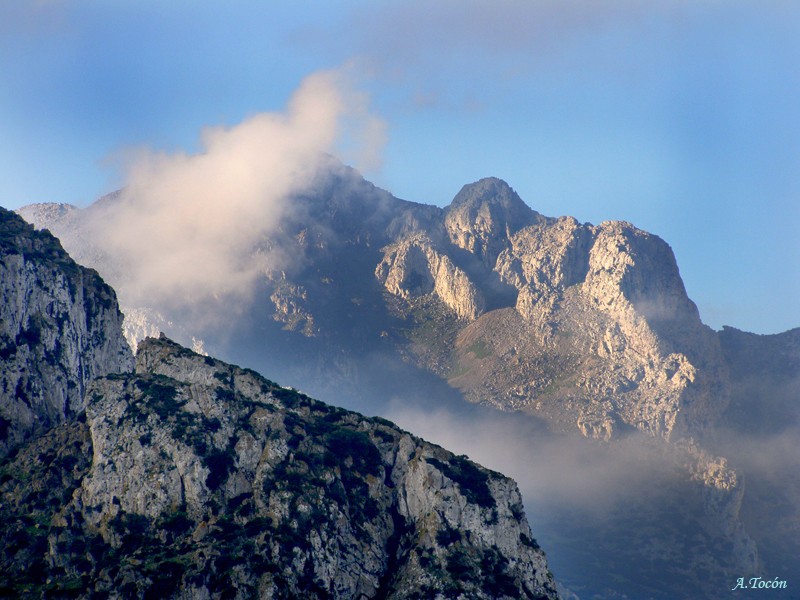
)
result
[(60, 328), (205, 477), (413, 268), (602, 335), (79, 231)]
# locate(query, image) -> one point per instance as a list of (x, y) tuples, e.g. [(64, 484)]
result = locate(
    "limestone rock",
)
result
[(607, 304), (603, 305), (60, 328), (484, 215), (413, 268)]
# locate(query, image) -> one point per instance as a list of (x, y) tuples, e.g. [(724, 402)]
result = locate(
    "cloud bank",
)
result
[(191, 227)]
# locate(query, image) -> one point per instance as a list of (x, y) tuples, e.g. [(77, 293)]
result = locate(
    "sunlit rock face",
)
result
[(191, 476), (413, 268), (602, 336), (607, 304), (60, 328)]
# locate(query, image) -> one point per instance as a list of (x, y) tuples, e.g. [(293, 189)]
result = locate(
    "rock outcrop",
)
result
[(60, 328), (192, 478), (484, 215), (413, 268)]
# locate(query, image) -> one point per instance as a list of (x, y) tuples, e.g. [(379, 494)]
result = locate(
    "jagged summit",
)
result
[(491, 199), (488, 189), (484, 215)]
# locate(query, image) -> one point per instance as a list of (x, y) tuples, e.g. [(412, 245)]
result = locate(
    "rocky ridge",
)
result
[(186, 477), (601, 321), (60, 329), (190, 476)]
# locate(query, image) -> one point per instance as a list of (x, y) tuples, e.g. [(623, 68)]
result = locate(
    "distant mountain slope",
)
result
[(765, 372), (600, 336), (760, 432)]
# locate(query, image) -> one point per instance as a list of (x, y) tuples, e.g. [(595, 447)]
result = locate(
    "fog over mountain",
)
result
[(566, 355)]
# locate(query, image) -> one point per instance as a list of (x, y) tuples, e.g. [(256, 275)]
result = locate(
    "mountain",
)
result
[(188, 477), (588, 327), (760, 431), (578, 329)]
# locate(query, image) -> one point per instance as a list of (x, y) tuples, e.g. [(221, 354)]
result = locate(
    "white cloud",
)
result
[(187, 225)]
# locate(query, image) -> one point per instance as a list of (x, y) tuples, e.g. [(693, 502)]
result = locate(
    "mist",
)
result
[(552, 470), (584, 498)]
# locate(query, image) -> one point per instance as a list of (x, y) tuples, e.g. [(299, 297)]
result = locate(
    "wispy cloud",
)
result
[(191, 227)]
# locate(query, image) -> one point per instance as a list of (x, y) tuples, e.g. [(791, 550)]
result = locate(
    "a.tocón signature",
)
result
[(759, 583)]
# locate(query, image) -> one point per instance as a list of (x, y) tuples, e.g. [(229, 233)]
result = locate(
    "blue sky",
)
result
[(678, 116)]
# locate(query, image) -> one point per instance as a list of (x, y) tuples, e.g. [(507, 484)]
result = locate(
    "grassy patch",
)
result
[(479, 349)]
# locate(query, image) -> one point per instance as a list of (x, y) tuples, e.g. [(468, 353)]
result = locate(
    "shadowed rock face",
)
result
[(191, 476), (60, 328)]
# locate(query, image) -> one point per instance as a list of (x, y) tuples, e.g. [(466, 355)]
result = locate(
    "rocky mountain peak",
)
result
[(489, 190), (483, 215)]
